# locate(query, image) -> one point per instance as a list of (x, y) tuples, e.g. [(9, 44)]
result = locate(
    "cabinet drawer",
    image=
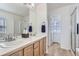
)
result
[(36, 44)]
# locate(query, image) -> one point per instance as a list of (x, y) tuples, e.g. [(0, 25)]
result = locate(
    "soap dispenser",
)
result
[(43, 27), (30, 29)]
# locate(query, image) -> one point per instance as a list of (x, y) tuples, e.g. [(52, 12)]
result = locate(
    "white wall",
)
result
[(10, 17), (32, 18), (64, 13), (41, 16), (37, 15)]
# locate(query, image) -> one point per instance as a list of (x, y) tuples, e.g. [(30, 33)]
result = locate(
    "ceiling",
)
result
[(23, 10), (17, 8), (58, 5)]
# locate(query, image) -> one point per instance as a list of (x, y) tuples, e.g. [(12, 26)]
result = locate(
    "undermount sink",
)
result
[(7, 44), (2, 45)]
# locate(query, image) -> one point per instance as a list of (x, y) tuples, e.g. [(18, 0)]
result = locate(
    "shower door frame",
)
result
[(75, 30)]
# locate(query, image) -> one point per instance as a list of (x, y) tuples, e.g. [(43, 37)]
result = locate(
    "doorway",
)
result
[(54, 29)]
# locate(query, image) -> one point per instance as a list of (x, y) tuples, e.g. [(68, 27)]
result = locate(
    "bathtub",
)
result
[(77, 51)]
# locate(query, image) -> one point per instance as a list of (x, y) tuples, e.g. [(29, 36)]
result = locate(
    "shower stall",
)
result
[(75, 30)]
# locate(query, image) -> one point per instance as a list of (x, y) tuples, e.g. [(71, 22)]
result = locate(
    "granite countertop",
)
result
[(19, 43)]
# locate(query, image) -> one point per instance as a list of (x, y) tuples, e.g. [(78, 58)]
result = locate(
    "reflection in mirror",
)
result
[(17, 19)]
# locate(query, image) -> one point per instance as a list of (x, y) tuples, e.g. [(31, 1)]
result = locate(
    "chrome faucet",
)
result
[(9, 38), (6, 37)]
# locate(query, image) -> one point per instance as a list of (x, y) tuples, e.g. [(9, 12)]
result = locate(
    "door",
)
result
[(55, 29), (73, 30), (28, 51), (36, 49), (41, 47)]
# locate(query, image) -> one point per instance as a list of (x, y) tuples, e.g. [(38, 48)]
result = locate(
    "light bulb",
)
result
[(32, 4)]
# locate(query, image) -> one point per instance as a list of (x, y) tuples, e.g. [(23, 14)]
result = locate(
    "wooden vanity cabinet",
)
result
[(28, 51), (36, 49), (18, 53)]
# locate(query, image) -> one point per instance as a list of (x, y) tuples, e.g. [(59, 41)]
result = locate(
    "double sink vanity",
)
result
[(32, 46)]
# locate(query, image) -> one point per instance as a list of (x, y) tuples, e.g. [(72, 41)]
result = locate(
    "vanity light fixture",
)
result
[(29, 5)]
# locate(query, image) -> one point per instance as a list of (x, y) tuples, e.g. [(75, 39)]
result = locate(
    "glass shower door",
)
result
[(73, 31)]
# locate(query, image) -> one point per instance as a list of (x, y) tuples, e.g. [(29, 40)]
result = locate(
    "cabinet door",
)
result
[(44, 45), (36, 49), (41, 47), (28, 51), (18, 53)]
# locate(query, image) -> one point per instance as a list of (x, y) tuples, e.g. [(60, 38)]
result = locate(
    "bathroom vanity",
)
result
[(33, 46)]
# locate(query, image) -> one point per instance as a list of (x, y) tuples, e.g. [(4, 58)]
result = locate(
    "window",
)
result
[(2, 25)]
